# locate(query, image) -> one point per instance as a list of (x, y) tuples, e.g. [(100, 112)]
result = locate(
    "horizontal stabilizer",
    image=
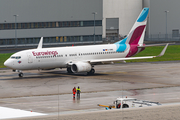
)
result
[(162, 44)]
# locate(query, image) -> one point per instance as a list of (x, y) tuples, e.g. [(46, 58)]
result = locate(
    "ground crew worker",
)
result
[(74, 92), (78, 92)]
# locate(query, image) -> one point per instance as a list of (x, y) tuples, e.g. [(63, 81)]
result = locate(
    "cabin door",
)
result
[(30, 58)]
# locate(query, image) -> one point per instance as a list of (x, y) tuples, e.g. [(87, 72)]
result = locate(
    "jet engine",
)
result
[(81, 67)]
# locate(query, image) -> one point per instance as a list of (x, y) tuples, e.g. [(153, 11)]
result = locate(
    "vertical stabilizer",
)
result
[(136, 34)]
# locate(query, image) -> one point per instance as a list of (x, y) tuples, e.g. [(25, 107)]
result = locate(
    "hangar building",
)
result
[(65, 21), (23, 22)]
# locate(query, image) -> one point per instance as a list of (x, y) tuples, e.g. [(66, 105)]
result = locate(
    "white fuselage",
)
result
[(47, 58)]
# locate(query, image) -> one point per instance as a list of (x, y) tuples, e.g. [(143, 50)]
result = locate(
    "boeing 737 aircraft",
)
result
[(83, 58)]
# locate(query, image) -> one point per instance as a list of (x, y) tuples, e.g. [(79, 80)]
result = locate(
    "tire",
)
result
[(91, 72), (20, 74), (69, 70)]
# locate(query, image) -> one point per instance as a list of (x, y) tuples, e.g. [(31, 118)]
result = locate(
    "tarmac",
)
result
[(169, 112), (50, 92)]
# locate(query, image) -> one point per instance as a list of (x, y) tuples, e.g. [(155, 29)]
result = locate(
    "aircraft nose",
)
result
[(7, 63)]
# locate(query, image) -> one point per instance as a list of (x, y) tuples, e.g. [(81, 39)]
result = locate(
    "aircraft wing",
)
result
[(120, 59), (130, 58)]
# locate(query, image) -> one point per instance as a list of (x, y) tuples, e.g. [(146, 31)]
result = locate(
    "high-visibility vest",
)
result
[(78, 89), (74, 90)]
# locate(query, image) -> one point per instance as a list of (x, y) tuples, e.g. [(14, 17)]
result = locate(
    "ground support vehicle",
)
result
[(129, 103)]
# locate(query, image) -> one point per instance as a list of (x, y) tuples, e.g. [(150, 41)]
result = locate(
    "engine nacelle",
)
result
[(81, 67)]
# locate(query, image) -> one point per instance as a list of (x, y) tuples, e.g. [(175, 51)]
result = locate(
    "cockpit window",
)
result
[(16, 57)]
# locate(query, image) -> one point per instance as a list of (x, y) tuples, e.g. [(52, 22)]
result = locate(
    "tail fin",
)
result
[(137, 32)]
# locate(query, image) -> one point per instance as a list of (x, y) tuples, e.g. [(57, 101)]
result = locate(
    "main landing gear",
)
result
[(69, 70), (91, 72)]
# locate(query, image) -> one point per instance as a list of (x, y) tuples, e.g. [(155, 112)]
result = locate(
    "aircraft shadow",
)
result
[(50, 74)]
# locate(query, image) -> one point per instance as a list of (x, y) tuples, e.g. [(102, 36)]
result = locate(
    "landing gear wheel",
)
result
[(20, 74), (69, 70), (91, 72)]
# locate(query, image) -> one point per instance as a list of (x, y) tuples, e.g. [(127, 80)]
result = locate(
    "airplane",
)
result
[(83, 58)]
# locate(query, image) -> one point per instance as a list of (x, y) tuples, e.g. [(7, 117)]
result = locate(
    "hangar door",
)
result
[(112, 28)]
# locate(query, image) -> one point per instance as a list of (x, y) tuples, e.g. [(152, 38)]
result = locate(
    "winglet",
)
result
[(40, 43), (163, 51)]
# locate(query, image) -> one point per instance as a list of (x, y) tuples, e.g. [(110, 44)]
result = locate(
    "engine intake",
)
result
[(81, 67)]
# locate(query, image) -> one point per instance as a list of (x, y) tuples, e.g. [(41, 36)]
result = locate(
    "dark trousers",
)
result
[(78, 95)]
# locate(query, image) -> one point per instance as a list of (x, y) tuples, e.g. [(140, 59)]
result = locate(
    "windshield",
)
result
[(118, 101), (15, 57)]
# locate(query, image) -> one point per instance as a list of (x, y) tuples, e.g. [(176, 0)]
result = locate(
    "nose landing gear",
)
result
[(20, 74)]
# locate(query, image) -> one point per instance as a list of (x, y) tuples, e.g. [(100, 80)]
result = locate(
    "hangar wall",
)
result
[(157, 17), (49, 11)]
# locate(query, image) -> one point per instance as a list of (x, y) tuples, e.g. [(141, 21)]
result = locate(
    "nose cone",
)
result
[(7, 63)]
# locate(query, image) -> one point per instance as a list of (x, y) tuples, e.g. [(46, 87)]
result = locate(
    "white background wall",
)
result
[(126, 10)]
